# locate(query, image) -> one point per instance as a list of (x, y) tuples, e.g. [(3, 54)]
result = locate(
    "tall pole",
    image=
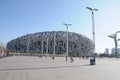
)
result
[(28, 47), (28, 43), (93, 24), (47, 47), (54, 44), (116, 44), (93, 29), (42, 46), (114, 36), (67, 39), (67, 43)]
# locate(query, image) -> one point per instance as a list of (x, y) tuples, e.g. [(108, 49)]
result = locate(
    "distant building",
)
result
[(118, 50), (113, 50), (42, 43), (107, 51)]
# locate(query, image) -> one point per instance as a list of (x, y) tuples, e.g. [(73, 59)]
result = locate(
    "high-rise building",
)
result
[(107, 51), (113, 50), (118, 50)]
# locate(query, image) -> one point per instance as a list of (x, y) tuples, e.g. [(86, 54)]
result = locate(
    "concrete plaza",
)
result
[(36, 68)]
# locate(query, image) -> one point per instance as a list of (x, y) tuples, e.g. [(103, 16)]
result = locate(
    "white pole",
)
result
[(93, 24), (54, 44), (67, 39), (67, 43), (28, 45), (42, 47), (47, 47)]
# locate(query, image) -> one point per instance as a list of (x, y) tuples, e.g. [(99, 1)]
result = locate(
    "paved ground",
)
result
[(35, 68)]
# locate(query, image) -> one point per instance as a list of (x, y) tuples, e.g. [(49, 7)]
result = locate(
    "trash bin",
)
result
[(92, 61)]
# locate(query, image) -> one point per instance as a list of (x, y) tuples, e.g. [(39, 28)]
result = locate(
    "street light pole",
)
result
[(28, 47), (42, 45), (47, 47), (54, 44), (28, 43), (67, 39), (116, 43), (114, 36), (93, 24)]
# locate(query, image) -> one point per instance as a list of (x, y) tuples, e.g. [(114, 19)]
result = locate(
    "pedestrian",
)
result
[(71, 59)]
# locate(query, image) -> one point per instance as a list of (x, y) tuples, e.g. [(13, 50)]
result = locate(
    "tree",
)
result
[(2, 46)]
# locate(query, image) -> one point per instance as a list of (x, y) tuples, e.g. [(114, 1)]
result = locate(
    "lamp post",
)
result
[(67, 39), (42, 43), (28, 43), (42, 47), (47, 47), (47, 39), (114, 36), (54, 45), (28, 47), (116, 50), (93, 24)]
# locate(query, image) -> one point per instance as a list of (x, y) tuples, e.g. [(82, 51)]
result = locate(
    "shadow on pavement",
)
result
[(56, 67)]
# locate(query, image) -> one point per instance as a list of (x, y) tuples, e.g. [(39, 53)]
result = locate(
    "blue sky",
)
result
[(21, 17)]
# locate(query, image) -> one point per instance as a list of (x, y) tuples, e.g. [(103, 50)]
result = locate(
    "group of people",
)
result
[(71, 59)]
